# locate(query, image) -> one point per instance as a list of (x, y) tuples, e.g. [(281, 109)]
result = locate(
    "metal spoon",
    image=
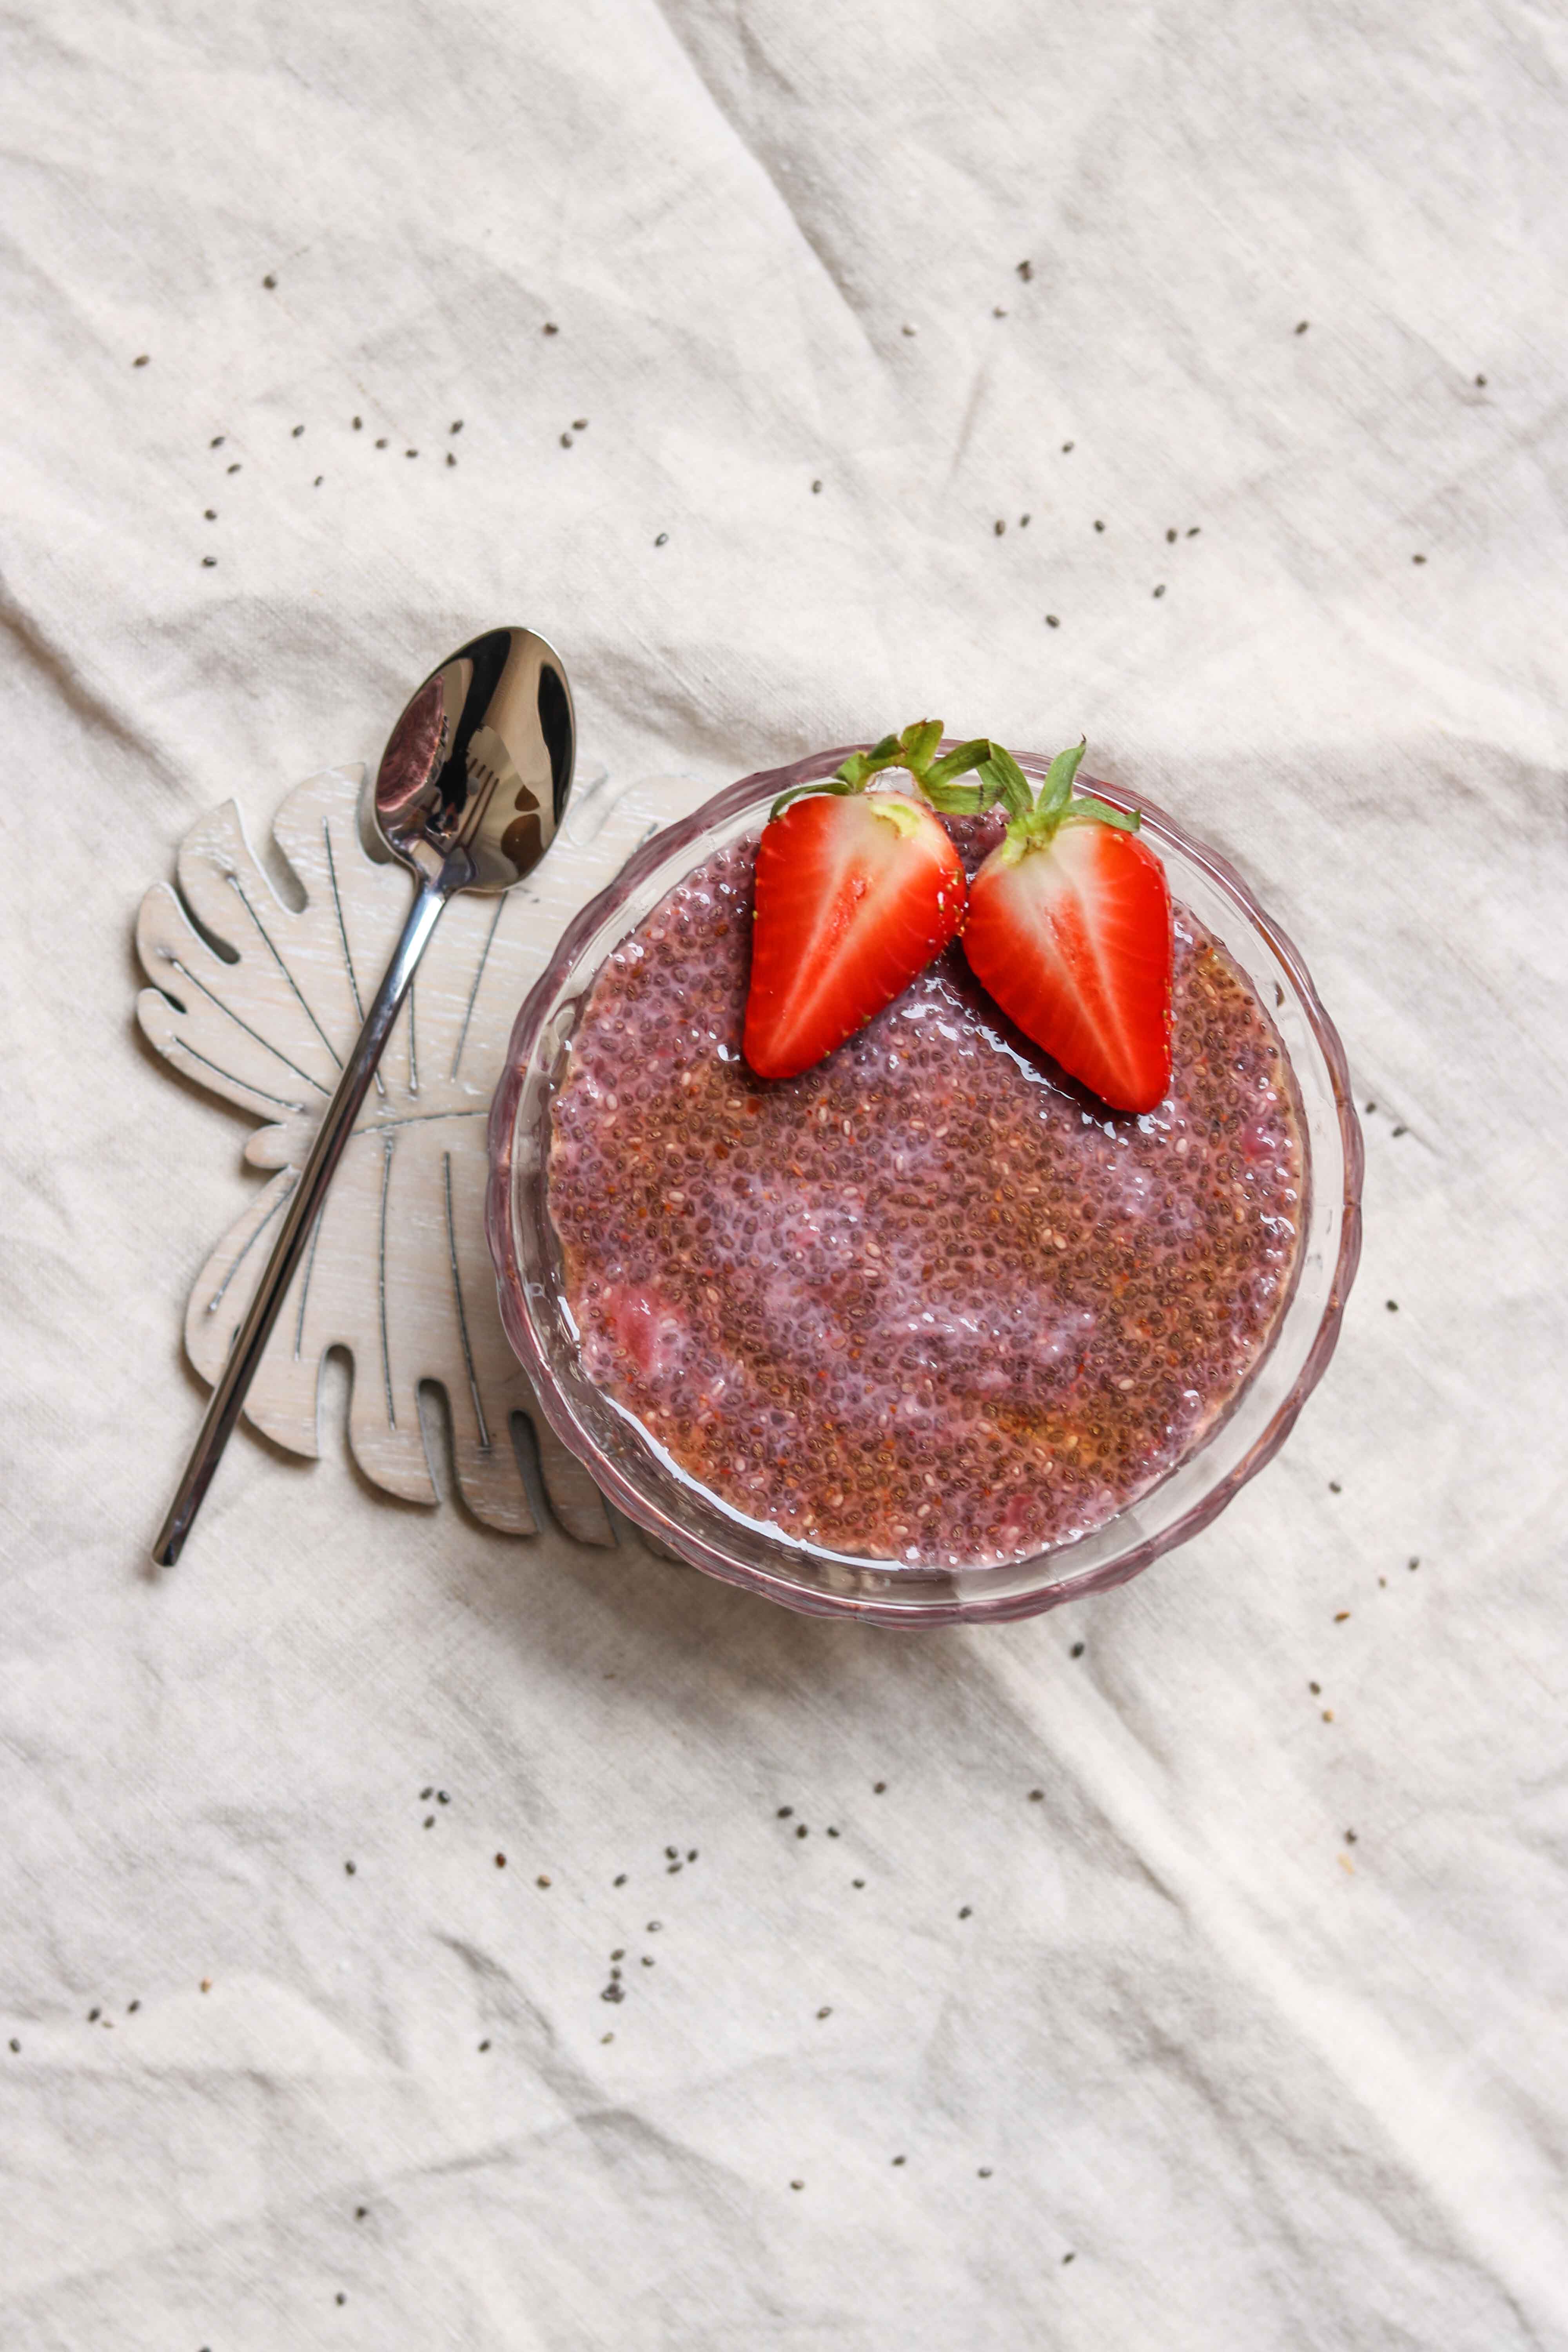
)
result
[(471, 787)]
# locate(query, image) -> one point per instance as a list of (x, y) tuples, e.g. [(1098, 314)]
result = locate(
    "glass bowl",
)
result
[(641, 1480)]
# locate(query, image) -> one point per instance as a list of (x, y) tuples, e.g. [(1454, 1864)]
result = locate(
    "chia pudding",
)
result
[(932, 1302)]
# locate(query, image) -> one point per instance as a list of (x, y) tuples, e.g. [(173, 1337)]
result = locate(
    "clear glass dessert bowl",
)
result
[(640, 1477)]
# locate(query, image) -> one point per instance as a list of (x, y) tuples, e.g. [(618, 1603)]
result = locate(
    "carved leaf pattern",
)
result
[(259, 1002)]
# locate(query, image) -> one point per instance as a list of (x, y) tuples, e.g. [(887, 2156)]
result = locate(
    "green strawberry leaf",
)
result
[(861, 764), (1056, 789), (953, 800), (1002, 779), (956, 762), (1089, 811), (917, 744), (840, 785)]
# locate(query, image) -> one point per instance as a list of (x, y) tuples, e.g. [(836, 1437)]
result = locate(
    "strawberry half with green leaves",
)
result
[(856, 893), (1069, 929)]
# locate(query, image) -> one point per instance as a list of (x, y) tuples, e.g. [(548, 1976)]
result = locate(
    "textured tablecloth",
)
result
[(1183, 1969)]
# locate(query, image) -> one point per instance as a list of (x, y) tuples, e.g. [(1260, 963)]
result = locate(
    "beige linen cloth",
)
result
[(1246, 2034)]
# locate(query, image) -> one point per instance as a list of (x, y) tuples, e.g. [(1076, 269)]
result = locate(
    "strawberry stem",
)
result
[(914, 748), (999, 783), (1039, 821)]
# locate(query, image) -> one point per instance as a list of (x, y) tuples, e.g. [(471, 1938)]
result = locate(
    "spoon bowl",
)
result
[(476, 774)]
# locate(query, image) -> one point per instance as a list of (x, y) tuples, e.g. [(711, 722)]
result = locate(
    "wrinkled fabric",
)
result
[(1206, 1984)]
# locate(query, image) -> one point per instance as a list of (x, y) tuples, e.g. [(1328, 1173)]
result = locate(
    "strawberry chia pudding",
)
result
[(932, 1302)]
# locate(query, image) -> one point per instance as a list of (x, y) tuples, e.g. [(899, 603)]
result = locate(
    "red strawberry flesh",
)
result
[(1072, 937), (855, 895)]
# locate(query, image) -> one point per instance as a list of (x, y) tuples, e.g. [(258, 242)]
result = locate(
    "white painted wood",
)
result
[(258, 1004)]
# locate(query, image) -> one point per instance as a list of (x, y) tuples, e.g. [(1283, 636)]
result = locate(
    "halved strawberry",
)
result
[(855, 894), (1069, 929)]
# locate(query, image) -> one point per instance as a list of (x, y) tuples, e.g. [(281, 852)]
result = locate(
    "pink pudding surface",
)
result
[(932, 1302)]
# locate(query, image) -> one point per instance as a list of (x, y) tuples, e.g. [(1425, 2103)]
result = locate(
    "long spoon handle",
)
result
[(250, 1341)]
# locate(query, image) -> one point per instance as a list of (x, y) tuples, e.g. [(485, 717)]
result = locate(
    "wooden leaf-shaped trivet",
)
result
[(259, 1002)]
